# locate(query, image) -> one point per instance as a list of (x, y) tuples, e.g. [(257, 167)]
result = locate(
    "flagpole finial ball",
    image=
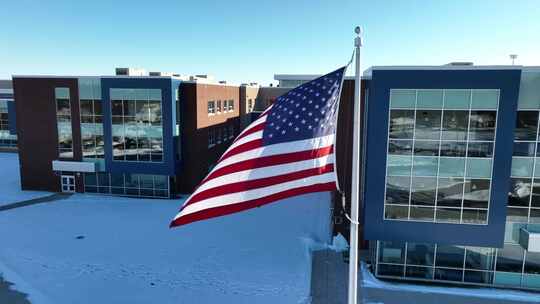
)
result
[(358, 30)]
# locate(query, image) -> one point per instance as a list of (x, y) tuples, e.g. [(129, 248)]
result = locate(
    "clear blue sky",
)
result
[(252, 40)]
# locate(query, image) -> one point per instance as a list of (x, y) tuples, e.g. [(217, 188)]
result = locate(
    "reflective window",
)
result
[(510, 258), (420, 254), (450, 256), (526, 125), (137, 129), (142, 185), (63, 121), (211, 107), (520, 192), (444, 140)]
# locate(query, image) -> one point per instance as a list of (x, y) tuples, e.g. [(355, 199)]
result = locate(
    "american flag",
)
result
[(287, 151)]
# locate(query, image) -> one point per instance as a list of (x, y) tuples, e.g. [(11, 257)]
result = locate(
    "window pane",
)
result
[(453, 148), (517, 215), (402, 99), (480, 149), (117, 180), (392, 252), (422, 213), (510, 258), (451, 167), (425, 166), (474, 216), (400, 147), (426, 147), (480, 258), (450, 192), (397, 190), (423, 191), (520, 192), (509, 279), (457, 99), (479, 167), (522, 167), (450, 256), (428, 124), (476, 193), (401, 124), (535, 202), (90, 179), (429, 99), (448, 274), (526, 125), (390, 270), (524, 148), (86, 107), (117, 108), (455, 124), (396, 212), (104, 179), (420, 254), (485, 99), (532, 263), (451, 215), (419, 272), (480, 277), (535, 216), (482, 125), (399, 165)]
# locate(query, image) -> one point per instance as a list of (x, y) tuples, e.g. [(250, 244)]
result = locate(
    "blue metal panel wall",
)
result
[(491, 235), (167, 167), (12, 118)]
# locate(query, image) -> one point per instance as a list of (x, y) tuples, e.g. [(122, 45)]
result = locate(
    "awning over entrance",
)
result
[(73, 166)]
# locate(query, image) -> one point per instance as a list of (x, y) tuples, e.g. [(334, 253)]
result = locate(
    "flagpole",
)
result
[(353, 243)]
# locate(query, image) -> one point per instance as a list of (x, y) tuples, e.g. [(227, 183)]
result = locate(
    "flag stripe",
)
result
[(228, 209), (258, 183), (244, 147), (276, 149), (233, 208), (233, 198), (266, 171), (270, 161)]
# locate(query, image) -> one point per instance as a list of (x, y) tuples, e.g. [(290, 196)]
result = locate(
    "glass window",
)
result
[(510, 258), (218, 106), (398, 165), (450, 192), (476, 193), (451, 167), (450, 256), (479, 167), (401, 124), (392, 252), (457, 99), (453, 148), (211, 107), (448, 274), (480, 149), (451, 215), (422, 213), (426, 147), (524, 148), (402, 99), (430, 99), (396, 212), (532, 262), (520, 192), (522, 166), (485, 99), (517, 215), (420, 254), (425, 166), (479, 277), (390, 270), (480, 258), (535, 202), (482, 125), (423, 191), (526, 125), (428, 124), (419, 272), (474, 216), (397, 190), (455, 125)]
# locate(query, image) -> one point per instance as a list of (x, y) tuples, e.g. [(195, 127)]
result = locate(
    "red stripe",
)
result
[(257, 183), (267, 161), (252, 130), (250, 145), (228, 209)]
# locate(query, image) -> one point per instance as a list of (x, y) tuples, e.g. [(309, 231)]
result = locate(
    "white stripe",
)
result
[(234, 198), (275, 149), (243, 140), (264, 172), (258, 121)]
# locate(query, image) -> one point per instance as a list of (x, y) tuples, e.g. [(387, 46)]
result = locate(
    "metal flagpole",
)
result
[(353, 249)]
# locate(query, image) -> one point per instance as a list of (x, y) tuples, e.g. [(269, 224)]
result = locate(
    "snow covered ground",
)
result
[(10, 181), (99, 249)]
